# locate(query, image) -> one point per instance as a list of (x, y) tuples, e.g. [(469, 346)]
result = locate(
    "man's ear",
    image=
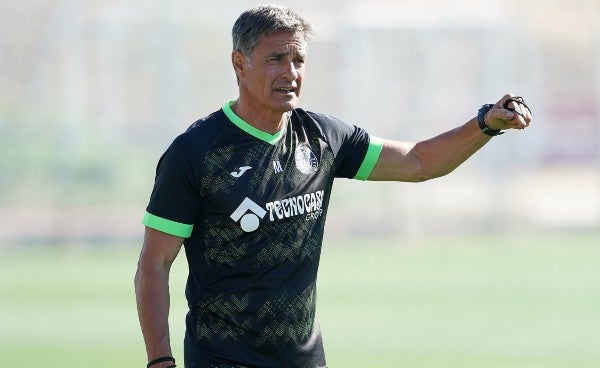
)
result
[(238, 59)]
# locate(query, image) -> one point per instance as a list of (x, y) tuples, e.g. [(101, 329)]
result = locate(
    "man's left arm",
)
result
[(438, 156)]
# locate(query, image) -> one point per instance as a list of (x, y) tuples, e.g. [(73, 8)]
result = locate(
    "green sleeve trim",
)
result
[(373, 153), (257, 133), (167, 226)]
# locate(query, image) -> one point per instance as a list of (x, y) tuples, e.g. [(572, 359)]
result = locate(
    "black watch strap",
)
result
[(481, 121)]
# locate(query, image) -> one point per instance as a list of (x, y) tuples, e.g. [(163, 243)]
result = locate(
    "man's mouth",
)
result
[(286, 89)]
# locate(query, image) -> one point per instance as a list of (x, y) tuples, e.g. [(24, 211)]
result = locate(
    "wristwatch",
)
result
[(481, 121)]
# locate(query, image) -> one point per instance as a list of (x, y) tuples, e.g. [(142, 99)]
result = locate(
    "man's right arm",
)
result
[(438, 156), (152, 291)]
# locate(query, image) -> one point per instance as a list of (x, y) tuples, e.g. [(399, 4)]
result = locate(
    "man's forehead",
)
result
[(282, 42)]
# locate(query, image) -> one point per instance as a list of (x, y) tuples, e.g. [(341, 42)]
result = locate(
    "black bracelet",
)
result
[(160, 360), (481, 121)]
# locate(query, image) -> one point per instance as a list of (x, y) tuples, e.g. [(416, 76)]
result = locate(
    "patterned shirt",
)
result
[(251, 207)]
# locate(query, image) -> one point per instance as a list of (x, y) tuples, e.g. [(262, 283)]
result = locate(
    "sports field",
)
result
[(464, 302)]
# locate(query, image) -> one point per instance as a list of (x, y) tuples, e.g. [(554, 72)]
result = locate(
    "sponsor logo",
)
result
[(306, 160), (308, 205), (248, 214), (277, 167), (240, 172)]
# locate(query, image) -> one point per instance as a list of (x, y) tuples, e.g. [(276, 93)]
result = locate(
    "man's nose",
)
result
[(291, 71)]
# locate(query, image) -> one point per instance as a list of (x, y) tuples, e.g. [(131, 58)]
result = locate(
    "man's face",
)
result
[(272, 79)]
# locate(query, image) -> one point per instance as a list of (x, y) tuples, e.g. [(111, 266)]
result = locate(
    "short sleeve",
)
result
[(174, 201), (356, 152), (371, 157)]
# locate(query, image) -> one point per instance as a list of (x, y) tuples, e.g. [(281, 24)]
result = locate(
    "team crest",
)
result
[(306, 160)]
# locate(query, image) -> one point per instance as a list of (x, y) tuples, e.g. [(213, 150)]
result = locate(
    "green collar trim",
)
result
[(257, 133)]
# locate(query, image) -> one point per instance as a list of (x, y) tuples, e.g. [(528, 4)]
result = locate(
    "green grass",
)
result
[(502, 302)]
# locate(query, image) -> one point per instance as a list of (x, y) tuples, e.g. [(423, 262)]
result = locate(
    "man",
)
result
[(246, 191)]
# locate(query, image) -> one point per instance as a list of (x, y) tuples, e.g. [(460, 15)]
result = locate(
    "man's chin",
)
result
[(291, 104)]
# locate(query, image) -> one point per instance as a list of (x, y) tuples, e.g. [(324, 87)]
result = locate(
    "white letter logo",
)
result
[(277, 167), (248, 221), (241, 172)]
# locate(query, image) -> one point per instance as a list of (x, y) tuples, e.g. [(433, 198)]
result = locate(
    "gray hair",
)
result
[(264, 20)]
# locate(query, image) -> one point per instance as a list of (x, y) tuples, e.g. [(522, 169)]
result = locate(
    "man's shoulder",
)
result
[(204, 128), (199, 135), (318, 116), (329, 125), (213, 121)]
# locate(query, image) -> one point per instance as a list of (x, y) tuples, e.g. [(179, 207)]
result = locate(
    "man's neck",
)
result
[(267, 121)]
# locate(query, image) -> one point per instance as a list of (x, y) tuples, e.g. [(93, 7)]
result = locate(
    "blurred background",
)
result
[(93, 92)]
